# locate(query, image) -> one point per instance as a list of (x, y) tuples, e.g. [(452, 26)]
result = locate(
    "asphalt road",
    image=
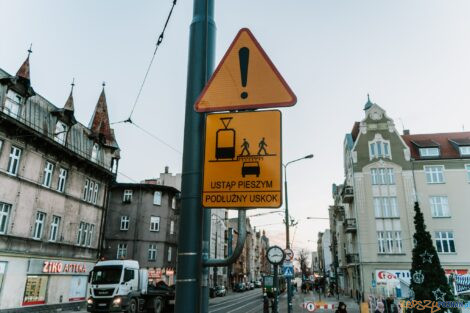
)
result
[(243, 302)]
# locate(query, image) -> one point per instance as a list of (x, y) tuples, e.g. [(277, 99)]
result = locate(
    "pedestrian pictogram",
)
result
[(245, 78), (238, 174), (288, 269)]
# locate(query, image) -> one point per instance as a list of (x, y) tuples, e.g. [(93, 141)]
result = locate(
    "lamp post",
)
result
[(289, 289)]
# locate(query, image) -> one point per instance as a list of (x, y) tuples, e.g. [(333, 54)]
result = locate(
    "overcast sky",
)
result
[(413, 57)]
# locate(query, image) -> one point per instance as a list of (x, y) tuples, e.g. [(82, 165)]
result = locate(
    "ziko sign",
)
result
[(392, 276), (58, 267)]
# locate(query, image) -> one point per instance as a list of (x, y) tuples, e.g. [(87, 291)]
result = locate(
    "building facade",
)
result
[(54, 178), (142, 225), (385, 173), (324, 254)]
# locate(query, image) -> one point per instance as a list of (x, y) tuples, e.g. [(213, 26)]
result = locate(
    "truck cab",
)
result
[(116, 286)]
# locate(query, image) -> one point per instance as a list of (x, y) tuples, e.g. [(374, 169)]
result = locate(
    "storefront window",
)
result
[(35, 290)]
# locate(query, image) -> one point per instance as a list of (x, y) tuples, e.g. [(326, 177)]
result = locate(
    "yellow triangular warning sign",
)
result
[(245, 79)]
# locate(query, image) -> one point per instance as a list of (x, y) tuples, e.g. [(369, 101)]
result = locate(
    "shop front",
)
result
[(157, 274), (26, 283)]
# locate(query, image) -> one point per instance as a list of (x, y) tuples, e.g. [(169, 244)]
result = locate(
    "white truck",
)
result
[(121, 286)]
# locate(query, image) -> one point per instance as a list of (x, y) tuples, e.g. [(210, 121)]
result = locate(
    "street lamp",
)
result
[(289, 289)]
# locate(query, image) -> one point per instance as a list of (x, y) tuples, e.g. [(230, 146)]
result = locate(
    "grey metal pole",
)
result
[(276, 289), (289, 287), (200, 66)]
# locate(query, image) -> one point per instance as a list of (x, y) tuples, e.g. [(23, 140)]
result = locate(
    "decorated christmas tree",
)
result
[(428, 279)]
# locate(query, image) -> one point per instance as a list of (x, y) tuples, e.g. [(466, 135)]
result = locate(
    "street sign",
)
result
[(245, 79), (242, 160), (288, 269), (289, 254)]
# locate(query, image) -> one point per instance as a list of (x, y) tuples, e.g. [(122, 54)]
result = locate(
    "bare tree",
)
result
[(303, 260)]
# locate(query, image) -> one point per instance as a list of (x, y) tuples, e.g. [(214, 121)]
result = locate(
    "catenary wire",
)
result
[(159, 41)]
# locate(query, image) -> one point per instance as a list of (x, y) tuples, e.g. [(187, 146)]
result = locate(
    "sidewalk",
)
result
[(300, 299)]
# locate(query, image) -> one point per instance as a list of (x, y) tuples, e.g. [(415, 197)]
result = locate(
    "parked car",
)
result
[(220, 291), (251, 285), (212, 292), (258, 284), (240, 287)]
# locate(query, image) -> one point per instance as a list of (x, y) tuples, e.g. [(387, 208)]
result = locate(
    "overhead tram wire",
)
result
[(129, 119)]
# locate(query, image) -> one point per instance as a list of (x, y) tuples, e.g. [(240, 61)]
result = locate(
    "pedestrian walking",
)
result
[(265, 303), (380, 308), (341, 308)]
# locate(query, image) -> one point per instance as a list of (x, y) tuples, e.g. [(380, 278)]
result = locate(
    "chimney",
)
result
[(167, 169), (406, 132)]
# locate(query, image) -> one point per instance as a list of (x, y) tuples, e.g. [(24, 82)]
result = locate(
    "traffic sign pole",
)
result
[(200, 66)]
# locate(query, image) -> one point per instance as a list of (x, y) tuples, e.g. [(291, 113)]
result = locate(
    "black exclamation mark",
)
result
[(244, 56)]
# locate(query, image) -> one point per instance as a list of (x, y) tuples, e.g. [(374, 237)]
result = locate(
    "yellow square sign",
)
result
[(242, 160)]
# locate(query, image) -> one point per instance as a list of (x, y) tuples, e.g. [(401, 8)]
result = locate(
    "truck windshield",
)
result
[(106, 274)]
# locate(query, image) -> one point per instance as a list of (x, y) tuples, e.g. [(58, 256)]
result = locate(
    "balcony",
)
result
[(352, 258), (348, 194), (350, 225)]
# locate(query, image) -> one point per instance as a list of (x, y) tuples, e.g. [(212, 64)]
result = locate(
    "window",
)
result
[(429, 152), (54, 228), (95, 194), (80, 231), (14, 161), (152, 252), (383, 176), (169, 254), (85, 190), (91, 191), (173, 202), (39, 225), (127, 197), (35, 290), (154, 223), (121, 251), (172, 227), (467, 167), (62, 179), (13, 103), (89, 240), (389, 241), (434, 174), (1, 145), (124, 223), (157, 198), (4, 217), (398, 242), (85, 234), (60, 132), (95, 153), (379, 148), (48, 170), (439, 206), (385, 207), (445, 242), (91, 188), (464, 151)]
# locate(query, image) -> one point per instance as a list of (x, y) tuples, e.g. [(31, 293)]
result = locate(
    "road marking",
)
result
[(227, 304)]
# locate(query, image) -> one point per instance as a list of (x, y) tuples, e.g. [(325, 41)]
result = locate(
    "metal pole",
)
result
[(276, 289), (200, 66), (289, 288)]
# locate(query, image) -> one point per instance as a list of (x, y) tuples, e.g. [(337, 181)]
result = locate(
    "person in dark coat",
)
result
[(341, 308)]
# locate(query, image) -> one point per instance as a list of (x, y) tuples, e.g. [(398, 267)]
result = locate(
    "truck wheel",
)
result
[(132, 306), (158, 305)]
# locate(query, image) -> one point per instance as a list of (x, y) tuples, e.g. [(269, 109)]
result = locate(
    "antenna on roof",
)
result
[(402, 125)]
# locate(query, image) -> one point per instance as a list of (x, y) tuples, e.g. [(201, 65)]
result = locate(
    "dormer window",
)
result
[(464, 151), (95, 152), (60, 132), (379, 148), (13, 103), (429, 152)]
